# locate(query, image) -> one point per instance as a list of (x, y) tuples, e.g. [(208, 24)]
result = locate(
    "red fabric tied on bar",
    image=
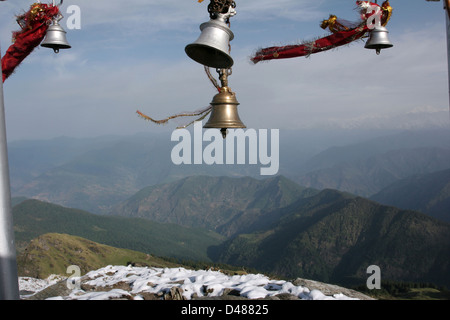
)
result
[(34, 25)]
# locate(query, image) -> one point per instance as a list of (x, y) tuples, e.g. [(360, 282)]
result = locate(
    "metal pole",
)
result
[(447, 16), (9, 284)]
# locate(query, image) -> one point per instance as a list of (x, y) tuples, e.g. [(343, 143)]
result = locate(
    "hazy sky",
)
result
[(129, 55)]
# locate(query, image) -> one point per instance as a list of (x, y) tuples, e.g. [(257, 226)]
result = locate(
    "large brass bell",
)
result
[(212, 47), (224, 112), (55, 37), (378, 39)]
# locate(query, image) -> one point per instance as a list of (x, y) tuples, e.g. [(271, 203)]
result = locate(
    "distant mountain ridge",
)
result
[(217, 203), (98, 173), (97, 178), (427, 193), (408, 139), (368, 176)]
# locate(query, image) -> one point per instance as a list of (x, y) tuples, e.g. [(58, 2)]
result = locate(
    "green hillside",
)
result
[(33, 218), (334, 237), (53, 253)]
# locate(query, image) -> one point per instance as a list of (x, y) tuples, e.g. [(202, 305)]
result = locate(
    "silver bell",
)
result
[(212, 47), (378, 39), (55, 37)]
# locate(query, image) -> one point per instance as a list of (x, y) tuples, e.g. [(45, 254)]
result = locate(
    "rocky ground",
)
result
[(95, 286)]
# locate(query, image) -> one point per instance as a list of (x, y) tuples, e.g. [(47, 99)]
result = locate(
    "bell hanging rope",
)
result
[(212, 47), (56, 36)]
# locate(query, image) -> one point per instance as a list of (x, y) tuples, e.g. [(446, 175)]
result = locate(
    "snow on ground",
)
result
[(33, 285), (192, 283)]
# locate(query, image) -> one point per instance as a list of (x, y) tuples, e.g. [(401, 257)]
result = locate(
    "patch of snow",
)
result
[(33, 285), (160, 280)]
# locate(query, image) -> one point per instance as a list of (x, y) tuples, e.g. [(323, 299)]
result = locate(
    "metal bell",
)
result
[(224, 112), (378, 39), (55, 37), (212, 47), (224, 107)]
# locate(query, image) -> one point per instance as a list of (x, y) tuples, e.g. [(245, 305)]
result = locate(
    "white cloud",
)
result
[(350, 82), (262, 10)]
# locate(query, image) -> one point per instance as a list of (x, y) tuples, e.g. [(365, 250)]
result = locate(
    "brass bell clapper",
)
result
[(55, 37), (224, 113)]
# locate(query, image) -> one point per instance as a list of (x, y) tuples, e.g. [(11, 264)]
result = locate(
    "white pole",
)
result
[(9, 287), (447, 16)]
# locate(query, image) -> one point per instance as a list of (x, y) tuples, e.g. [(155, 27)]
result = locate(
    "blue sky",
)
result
[(130, 56)]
